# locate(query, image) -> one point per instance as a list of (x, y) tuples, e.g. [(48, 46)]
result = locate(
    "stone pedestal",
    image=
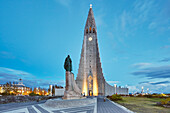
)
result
[(71, 91)]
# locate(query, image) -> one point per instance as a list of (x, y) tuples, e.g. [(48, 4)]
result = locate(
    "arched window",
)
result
[(90, 29), (94, 30), (90, 78), (86, 30)]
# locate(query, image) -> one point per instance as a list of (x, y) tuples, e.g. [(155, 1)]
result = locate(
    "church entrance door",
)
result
[(90, 93)]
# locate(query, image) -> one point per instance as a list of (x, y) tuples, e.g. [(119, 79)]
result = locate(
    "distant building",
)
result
[(1, 88), (55, 90), (59, 91), (50, 90), (40, 91), (17, 88)]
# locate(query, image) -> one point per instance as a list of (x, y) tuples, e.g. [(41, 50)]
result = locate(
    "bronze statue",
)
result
[(68, 64)]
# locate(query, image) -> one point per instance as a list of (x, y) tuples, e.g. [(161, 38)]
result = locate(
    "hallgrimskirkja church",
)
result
[(90, 77)]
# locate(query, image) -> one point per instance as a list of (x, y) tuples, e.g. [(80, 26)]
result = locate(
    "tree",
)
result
[(7, 88), (53, 90), (15, 89), (49, 90), (35, 90), (56, 86)]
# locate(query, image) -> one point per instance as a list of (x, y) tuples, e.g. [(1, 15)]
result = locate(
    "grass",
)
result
[(143, 105)]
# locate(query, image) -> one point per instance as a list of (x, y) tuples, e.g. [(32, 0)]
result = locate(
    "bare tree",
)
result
[(7, 88)]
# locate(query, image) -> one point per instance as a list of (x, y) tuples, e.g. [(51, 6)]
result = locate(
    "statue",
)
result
[(68, 64), (72, 91)]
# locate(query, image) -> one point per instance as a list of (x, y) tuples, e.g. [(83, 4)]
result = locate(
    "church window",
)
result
[(90, 29), (90, 86), (90, 78), (93, 30), (86, 30)]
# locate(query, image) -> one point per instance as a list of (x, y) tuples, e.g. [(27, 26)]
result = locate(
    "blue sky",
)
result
[(133, 35)]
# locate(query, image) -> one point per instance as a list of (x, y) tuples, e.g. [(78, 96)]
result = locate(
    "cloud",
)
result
[(133, 89), (64, 2), (11, 75), (155, 83), (152, 25), (143, 9), (113, 82), (152, 89), (140, 15), (141, 65), (42, 83), (7, 55), (166, 47), (18, 73), (162, 82), (154, 72), (7, 76), (165, 60), (99, 20), (128, 22)]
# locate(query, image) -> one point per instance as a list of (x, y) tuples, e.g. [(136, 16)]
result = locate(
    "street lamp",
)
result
[(147, 90), (115, 87), (142, 89)]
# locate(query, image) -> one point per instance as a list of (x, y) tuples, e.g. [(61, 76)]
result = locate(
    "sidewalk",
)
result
[(110, 107)]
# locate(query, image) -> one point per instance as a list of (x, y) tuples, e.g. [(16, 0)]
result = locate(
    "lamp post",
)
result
[(142, 89), (147, 90), (115, 87)]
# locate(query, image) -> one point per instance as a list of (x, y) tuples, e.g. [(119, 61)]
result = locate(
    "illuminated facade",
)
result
[(15, 88), (90, 77), (40, 91)]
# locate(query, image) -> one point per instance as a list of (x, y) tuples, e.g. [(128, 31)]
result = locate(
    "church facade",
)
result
[(90, 77)]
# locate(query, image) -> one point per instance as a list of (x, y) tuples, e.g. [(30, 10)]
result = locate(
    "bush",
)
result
[(33, 94), (159, 96), (115, 97), (166, 101), (5, 94), (140, 95), (149, 96), (131, 95), (12, 94)]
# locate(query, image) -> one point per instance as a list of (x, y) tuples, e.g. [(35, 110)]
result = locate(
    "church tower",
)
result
[(90, 76)]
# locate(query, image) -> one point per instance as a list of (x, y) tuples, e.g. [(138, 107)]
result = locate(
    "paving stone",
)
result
[(41, 109), (108, 107), (88, 109), (31, 109)]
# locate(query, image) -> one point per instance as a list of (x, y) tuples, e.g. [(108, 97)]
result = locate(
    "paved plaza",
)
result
[(36, 107), (109, 107)]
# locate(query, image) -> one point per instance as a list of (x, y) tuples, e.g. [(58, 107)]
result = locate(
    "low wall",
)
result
[(18, 99), (110, 90), (59, 92)]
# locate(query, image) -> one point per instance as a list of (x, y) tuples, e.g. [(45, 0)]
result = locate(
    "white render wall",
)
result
[(110, 90), (59, 92)]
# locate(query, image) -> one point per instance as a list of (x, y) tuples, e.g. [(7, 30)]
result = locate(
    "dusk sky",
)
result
[(133, 35)]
